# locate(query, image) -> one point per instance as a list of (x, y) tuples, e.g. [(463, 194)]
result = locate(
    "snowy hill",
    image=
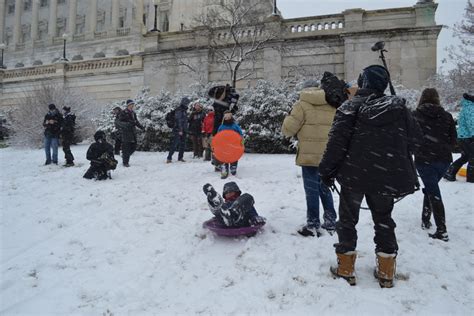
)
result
[(135, 246)]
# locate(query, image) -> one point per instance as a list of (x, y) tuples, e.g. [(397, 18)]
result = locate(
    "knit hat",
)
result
[(184, 102), (231, 187), (51, 107), (130, 101), (99, 135), (374, 77)]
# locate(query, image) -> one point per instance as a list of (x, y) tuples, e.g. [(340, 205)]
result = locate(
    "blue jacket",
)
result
[(233, 127), (466, 119)]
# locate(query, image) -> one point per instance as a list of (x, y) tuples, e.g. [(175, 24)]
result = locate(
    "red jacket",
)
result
[(208, 123)]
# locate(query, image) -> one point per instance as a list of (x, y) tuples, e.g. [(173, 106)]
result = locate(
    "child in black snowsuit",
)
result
[(101, 155), (236, 209)]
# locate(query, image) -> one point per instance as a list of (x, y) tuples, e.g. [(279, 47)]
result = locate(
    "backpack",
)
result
[(170, 118)]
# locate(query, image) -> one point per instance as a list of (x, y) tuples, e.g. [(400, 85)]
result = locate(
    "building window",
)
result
[(121, 23), (42, 34), (165, 23), (44, 3), (61, 1), (11, 8), (27, 5), (79, 28)]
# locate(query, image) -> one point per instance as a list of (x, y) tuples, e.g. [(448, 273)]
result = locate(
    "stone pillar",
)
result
[(138, 18), (72, 17), (2, 20), (353, 19), (150, 16), (115, 17), (52, 24), (34, 21), (17, 21), (425, 13), (272, 59), (91, 19)]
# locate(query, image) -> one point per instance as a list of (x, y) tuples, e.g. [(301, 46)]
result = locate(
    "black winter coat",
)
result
[(195, 122), (127, 124), (219, 108), (69, 125), (53, 130), (439, 134), (96, 150), (369, 146)]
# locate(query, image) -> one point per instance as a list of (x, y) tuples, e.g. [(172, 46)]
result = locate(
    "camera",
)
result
[(231, 96)]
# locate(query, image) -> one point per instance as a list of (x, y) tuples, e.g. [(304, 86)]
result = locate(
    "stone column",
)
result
[(425, 13), (138, 18), (53, 17), (34, 21), (72, 17), (17, 26), (150, 16), (115, 17), (2, 20), (91, 19)]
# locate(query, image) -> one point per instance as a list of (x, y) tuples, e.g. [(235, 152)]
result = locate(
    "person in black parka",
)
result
[(116, 133), (67, 135), (180, 130), (101, 156), (127, 125), (433, 156), (52, 124), (369, 153)]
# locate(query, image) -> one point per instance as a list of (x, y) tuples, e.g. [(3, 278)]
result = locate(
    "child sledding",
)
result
[(232, 210)]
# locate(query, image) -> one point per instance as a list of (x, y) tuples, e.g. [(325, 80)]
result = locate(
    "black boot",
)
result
[(470, 173), (450, 174), (426, 213), (440, 218)]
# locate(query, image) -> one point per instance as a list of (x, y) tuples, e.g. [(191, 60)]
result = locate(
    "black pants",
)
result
[(381, 208), (177, 143), (96, 171), (66, 142), (127, 150), (117, 146), (467, 155), (197, 145)]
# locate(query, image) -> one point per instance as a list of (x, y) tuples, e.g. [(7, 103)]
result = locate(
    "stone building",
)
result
[(112, 50)]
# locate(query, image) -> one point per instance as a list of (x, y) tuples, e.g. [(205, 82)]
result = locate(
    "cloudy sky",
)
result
[(449, 12)]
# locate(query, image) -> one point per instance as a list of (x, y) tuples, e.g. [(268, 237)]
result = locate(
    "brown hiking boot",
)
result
[(385, 270), (345, 267)]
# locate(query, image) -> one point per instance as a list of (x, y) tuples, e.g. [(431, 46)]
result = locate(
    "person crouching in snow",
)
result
[(228, 123), (101, 155), (235, 209)]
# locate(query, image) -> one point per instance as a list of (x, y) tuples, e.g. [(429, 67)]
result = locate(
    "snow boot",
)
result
[(440, 235), (224, 171), (470, 174), (307, 231), (385, 269), (345, 267), (450, 174), (233, 169), (214, 200), (426, 213), (439, 216)]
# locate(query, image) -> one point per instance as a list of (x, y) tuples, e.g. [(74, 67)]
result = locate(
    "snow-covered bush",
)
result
[(27, 117), (262, 110)]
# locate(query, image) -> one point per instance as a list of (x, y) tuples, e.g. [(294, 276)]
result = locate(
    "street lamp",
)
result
[(155, 24), (2, 48), (65, 36)]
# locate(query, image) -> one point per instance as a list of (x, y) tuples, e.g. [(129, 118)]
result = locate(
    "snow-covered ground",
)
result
[(134, 245)]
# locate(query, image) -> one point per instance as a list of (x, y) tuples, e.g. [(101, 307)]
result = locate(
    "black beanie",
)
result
[(99, 135), (51, 107), (374, 77)]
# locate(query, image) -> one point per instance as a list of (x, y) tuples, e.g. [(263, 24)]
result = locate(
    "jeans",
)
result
[(431, 174), (51, 142), (381, 208), (177, 143), (316, 190)]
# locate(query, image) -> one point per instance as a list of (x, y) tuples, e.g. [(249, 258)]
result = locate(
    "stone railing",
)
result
[(318, 24), (123, 31), (102, 34), (29, 72), (58, 40), (75, 68), (20, 46), (79, 37)]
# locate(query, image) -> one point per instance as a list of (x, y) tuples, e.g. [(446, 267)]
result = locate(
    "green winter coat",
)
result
[(310, 121)]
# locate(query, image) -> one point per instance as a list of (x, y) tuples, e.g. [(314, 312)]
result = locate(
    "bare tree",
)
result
[(237, 33), (27, 117)]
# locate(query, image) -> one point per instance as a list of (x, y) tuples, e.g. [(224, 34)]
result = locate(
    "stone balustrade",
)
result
[(319, 24), (29, 72), (123, 31)]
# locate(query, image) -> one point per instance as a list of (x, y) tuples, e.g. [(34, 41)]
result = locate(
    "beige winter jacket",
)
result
[(310, 120)]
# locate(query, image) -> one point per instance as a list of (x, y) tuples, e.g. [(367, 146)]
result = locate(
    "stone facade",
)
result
[(339, 43)]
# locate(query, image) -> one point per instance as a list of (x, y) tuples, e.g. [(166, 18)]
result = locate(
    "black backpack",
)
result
[(170, 118)]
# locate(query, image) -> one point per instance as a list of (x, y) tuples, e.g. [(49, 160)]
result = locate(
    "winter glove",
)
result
[(257, 220), (328, 181), (209, 191)]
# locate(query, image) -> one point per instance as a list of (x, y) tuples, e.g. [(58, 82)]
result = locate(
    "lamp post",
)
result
[(2, 48), (155, 24), (65, 36)]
